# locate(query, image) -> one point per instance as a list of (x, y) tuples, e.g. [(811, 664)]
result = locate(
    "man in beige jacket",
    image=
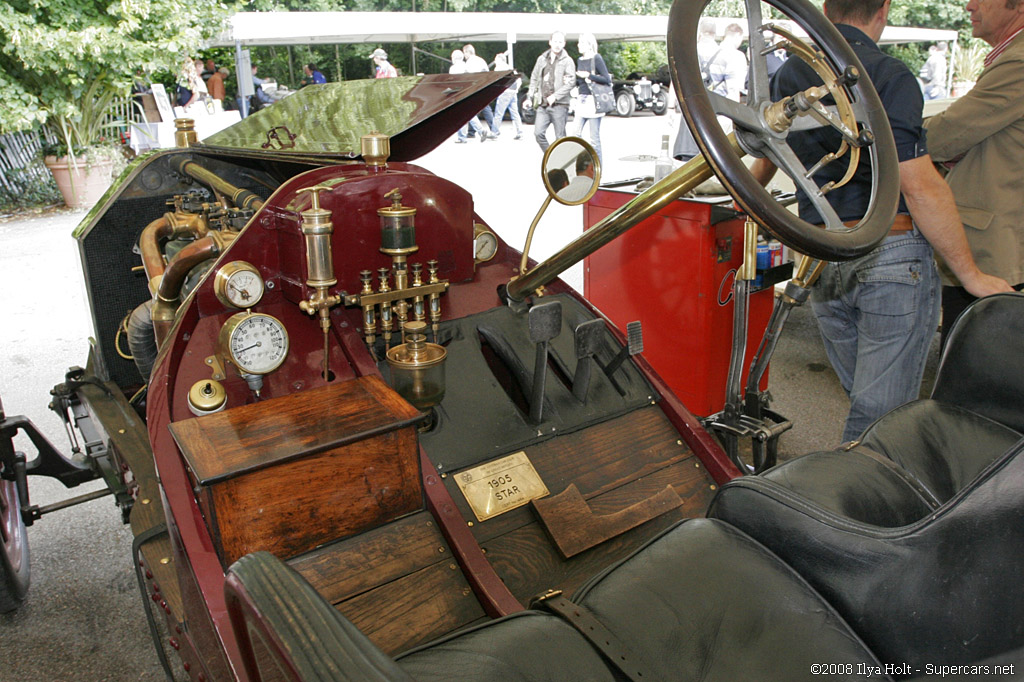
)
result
[(981, 136)]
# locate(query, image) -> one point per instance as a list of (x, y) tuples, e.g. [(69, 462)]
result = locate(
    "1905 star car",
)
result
[(362, 438)]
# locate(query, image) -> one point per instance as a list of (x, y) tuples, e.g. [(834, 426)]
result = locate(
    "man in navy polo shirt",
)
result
[(877, 314)]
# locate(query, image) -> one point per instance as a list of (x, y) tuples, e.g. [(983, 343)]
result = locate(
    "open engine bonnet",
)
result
[(327, 121)]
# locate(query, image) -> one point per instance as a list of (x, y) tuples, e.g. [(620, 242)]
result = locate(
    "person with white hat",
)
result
[(383, 68)]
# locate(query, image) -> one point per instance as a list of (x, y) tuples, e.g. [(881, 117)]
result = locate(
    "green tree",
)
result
[(63, 61)]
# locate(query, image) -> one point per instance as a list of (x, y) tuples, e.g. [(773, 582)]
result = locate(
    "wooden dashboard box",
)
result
[(289, 474)]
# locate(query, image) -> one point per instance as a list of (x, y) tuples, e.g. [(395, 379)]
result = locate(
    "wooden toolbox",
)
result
[(292, 473)]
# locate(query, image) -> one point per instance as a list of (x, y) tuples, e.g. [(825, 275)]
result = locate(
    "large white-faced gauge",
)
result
[(239, 285), (255, 343)]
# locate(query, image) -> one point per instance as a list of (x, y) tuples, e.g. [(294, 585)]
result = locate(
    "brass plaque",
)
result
[(500, 486)]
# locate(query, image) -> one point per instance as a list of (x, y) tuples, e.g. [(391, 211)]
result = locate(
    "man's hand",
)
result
[(981, 284), (931, 205), (528, 102), (551, 100)]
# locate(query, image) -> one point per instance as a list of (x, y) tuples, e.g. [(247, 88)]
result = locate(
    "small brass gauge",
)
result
[(239, 285), (485, 244), (255, 343)]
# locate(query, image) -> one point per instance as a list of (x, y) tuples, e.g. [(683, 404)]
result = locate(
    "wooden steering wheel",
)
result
[(762, 127)]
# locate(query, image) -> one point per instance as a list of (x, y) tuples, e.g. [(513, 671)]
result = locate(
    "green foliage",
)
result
[(31, 188), (63, 61), (626, 58), (969, 60), (913, 55)]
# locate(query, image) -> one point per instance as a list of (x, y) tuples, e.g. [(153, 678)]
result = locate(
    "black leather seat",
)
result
[(700, 602), (916, 533)]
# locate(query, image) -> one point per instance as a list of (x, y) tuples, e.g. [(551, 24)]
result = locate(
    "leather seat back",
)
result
[(982, 367)]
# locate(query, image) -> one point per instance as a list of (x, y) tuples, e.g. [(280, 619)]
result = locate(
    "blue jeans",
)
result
[(507, 100), (474, 123), (877, 315), (595, 132), (556, 115)]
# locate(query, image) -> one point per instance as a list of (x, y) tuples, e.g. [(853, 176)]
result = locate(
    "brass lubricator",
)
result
[(408, 301), (318, 228), (417, 367)]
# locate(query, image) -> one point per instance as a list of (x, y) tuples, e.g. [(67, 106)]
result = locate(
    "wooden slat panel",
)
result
[(597, 459), (254, 436), (529, 563), (350, 567), (415, 609)]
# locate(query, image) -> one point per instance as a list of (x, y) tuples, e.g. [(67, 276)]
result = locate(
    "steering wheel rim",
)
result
[(835, 242)]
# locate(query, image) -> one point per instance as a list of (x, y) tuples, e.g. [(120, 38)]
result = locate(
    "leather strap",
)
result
[(614, 650)]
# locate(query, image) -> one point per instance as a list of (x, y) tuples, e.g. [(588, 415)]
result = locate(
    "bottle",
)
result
[(663, 165)]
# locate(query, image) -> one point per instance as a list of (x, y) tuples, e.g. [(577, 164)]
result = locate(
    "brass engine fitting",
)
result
[(423, 299), (417, 368), (206, 397), (185, 132), (375, 148), (318, 228)]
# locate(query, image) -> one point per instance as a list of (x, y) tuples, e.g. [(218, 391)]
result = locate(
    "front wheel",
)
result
[(624, 104), (14, 567), (660, 106)]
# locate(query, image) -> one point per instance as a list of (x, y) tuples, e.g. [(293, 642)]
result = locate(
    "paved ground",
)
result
[(83, 619)]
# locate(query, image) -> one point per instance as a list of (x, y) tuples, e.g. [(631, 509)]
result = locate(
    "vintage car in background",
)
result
[(643, 91), (360, 437)]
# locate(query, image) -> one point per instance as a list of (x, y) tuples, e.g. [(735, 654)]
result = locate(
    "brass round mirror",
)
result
[(571, 171)]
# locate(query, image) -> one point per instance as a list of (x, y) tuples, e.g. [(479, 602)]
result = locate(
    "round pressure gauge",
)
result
[(254, 342), (485, 244), (239, 285)]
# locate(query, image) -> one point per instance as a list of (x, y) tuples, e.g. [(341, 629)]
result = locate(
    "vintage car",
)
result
[(362, 438), (642, 91)]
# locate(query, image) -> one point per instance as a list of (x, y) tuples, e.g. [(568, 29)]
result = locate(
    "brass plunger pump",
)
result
[(318, 228)]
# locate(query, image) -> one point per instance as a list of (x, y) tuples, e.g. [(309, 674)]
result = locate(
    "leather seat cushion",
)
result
[(942, 446), (853, 485), (704, 601), (527, 646)]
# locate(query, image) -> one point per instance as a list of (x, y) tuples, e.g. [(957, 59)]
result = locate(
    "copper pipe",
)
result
[(168, 226), (618, 222), (165, 306), (242, 198), (149, 246)]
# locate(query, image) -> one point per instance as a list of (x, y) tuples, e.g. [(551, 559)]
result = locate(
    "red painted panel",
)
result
[(666, 273)]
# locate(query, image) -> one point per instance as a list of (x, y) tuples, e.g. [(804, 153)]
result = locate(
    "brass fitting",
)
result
[(375, 148), (185, 132)]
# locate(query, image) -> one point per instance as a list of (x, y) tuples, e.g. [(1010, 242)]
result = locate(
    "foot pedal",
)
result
[(545, 324), (634, 345), (588, 340)]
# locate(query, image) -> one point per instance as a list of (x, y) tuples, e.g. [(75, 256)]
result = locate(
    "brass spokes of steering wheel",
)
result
[(762, 127)]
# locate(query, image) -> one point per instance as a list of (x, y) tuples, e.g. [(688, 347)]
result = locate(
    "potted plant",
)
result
[(968, 62), (83, 159), (64, 69)]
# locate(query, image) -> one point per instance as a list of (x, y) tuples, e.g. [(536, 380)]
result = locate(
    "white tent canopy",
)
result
[(304, 28)]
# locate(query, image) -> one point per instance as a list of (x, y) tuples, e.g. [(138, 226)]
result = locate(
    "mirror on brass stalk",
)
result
[(571, 171)]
